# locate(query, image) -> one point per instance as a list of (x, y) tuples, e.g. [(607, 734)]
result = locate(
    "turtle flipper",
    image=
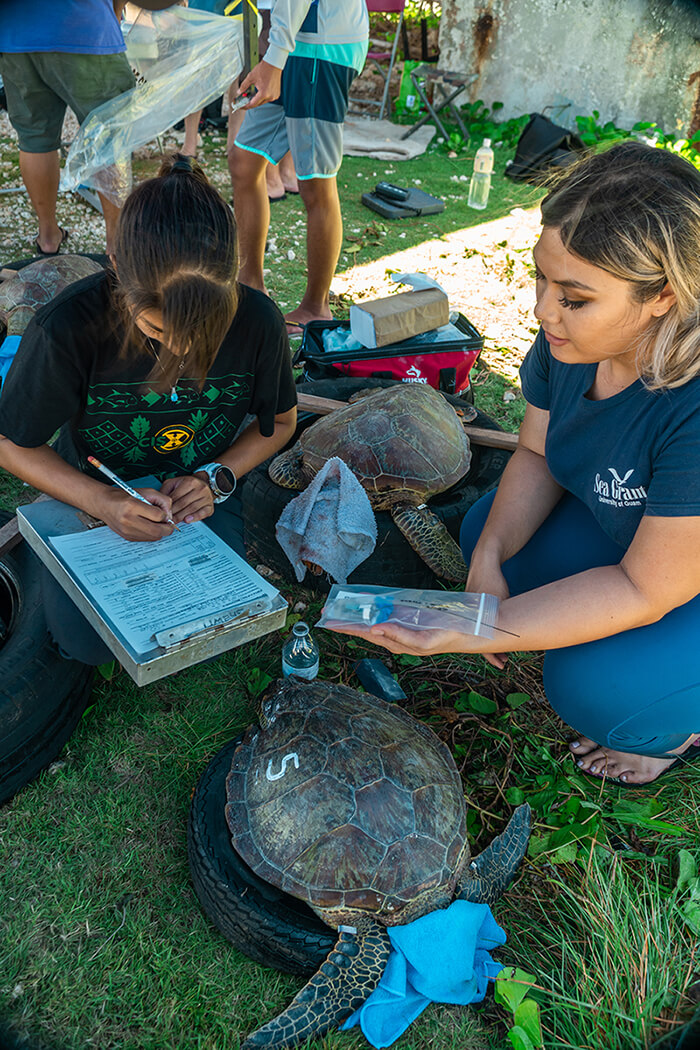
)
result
[(490, 874), (429, 537), (341, 984), (287, 469)]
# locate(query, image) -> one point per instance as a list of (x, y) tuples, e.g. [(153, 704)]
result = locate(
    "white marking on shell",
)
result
[(291, 757)]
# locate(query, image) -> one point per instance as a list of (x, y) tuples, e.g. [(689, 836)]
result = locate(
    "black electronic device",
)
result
[(389, 192)]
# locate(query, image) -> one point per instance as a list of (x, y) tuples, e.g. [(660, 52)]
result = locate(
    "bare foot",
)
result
[(620, 765), (296, 319)]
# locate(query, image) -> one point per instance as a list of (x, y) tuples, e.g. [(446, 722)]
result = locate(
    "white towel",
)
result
[(364, 137), (330, 524)]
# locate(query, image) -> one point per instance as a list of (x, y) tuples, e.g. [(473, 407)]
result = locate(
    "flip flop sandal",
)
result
[(40, 250), (276, 200), (295, 330)]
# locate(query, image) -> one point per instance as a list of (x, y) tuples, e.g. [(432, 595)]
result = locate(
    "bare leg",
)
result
[(41, 173), (274, 183), (110, 213), (252, 209), (288, 174), (189, 146), (324, 236), (630, 768)]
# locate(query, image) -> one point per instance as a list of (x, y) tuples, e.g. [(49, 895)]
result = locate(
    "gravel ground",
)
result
[(485, 269)]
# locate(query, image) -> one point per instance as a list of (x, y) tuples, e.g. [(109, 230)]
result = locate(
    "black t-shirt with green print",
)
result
[(68, 375)]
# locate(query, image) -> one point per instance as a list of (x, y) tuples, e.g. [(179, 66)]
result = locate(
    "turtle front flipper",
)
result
[(429, 537), (490, 874), (287, 469), (338, 988)]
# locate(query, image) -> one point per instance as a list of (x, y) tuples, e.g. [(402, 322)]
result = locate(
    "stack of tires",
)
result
[(42, 695)]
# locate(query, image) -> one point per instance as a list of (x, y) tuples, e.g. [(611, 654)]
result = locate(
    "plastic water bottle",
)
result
[(300, 653), (481, 177)]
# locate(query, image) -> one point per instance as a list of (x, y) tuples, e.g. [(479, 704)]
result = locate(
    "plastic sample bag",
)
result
[(184, 60), (363, 605)]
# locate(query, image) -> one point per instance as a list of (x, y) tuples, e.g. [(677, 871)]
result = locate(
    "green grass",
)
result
[(102, 941)]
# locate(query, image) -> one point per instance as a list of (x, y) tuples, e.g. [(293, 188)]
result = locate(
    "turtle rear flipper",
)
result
[(287, 469), (429, 538), (490, 874), (338, 988)]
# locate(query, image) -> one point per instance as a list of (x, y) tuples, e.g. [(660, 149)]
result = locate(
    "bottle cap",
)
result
[(487, 142)]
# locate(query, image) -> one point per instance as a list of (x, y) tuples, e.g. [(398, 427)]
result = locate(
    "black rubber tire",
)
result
[(264, 923), (42, 696), (393, 560)]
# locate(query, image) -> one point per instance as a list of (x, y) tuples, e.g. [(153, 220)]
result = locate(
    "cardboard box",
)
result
[(398, 317)]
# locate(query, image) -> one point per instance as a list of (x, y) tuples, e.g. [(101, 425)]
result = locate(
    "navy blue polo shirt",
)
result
[(632, 454)]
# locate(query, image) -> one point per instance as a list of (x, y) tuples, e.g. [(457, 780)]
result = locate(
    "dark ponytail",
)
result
[(176, 253)]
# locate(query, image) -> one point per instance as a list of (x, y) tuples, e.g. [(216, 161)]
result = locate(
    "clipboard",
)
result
[(176, 647)]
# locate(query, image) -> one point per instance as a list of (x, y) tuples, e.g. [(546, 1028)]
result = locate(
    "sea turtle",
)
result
[(36, 284), (405, 444), (351, 805)]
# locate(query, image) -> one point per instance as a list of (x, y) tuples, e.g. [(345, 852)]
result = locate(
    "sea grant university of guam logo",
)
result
[(616, 491)]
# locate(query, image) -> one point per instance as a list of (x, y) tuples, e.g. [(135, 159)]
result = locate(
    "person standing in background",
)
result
[(52, 56), (315, 50)]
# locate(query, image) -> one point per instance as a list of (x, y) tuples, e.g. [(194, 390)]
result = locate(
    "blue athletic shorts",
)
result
[(307, 118)]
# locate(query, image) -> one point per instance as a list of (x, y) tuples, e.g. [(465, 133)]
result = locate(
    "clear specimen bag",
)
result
[(363, 605), (183, 60)]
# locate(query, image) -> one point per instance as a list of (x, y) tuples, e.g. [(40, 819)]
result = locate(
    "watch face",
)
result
[(225, 480)]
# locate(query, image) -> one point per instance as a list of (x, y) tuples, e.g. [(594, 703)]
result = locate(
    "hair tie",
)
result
[(182, 164)]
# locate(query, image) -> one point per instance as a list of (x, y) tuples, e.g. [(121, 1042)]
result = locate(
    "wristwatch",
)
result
[(222, 480)]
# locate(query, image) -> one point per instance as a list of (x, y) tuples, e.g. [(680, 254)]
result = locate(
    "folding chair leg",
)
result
[(385, 96)]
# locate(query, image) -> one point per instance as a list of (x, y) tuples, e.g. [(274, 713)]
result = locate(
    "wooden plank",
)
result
[(10, 535), (323, 406)]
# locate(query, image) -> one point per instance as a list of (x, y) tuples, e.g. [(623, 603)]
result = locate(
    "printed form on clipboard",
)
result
[(158, 593)]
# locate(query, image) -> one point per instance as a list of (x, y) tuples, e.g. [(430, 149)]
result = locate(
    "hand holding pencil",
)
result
[(137, 496)]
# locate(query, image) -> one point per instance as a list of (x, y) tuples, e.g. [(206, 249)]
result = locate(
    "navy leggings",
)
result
[(637, 691), (74, 636)]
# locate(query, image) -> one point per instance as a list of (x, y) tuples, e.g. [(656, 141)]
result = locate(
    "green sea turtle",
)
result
[(351, 805), (36, 284), (404, 444)]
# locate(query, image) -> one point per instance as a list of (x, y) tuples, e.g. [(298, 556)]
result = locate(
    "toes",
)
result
[(582, 745), (593, 761)]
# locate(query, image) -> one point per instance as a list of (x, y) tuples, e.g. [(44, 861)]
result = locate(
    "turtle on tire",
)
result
[(349, 804), (404, 444)]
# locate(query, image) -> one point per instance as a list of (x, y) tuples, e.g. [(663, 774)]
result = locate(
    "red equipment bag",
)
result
[(444, 365)]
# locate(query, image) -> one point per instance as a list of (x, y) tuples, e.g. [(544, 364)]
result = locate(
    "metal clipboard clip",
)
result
[(197, 630)]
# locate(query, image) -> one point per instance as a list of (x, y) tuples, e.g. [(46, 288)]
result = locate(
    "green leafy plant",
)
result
[(512, 992)]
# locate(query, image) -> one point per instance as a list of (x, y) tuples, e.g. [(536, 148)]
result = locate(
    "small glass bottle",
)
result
[(300, 653), (480, 184)]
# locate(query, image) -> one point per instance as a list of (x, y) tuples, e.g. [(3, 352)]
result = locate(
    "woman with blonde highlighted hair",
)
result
[(592, 541), (151, 368)]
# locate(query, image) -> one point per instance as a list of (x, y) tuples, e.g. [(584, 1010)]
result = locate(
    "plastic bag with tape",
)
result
[(183, 60)]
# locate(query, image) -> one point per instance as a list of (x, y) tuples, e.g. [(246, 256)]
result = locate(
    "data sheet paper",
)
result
[(143, 588)]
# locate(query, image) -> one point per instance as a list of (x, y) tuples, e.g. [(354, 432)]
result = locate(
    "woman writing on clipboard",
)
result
[(151, 369)]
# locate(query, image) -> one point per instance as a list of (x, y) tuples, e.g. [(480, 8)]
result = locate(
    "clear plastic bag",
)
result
[(363, 605), (184, 60)]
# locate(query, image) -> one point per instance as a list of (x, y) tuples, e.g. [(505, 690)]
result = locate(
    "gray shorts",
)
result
[(40, 84), (307, 119)]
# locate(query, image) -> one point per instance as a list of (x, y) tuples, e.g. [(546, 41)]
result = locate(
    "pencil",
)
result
[(123, 485)]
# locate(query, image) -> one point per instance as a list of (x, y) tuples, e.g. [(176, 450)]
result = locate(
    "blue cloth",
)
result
[(637, 691), (442, 957), (8, 349), (632, 454), (86, 27)]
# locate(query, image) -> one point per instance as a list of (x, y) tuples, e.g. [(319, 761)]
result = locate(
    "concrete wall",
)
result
[(630, 59)]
